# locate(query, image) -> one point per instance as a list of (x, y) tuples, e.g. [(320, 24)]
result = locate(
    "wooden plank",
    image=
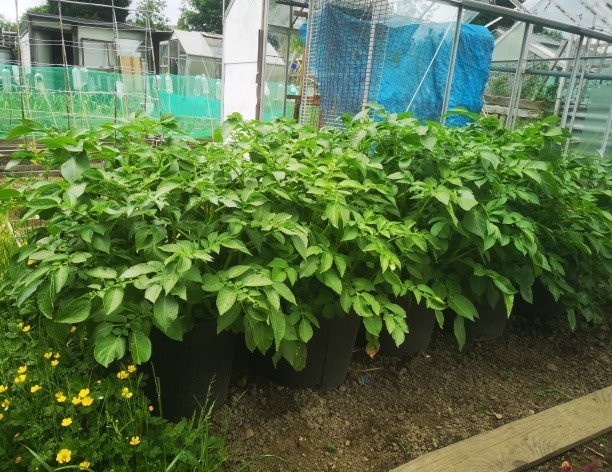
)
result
[(525, 442), (505, 102), (503, 111)]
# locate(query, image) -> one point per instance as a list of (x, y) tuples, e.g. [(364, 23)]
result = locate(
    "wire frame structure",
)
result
[(355, 78), (423, 56)]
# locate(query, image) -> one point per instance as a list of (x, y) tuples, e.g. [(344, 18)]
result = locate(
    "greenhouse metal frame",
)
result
[(588, 46)]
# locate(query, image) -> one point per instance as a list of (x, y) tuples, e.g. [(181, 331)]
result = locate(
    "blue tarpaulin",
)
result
[(415, 53)]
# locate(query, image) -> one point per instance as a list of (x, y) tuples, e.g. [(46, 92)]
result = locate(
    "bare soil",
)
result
[(390, 411)]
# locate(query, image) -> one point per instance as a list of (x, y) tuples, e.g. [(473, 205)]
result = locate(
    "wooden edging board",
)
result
[(525, 442)]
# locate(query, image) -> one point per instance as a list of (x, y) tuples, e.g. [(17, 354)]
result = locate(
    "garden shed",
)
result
[(50, 40)]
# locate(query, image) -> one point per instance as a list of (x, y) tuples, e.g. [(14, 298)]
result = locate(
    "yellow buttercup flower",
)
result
[(135, 441), (26, 328), (35, 388), (150, 407), (66, 421), (73, 329), (87, 401), (83, 393), (31, 261), (60, 397), (131, 369), (84, 465), (57, 355), (5, 404), (64, 456), (3, 388), (20, 325), (1, 416), (17, 459), (20, 378), (125, 393), (122, 375), (54, 362), (22, 370), (76, 401), (48, 355)]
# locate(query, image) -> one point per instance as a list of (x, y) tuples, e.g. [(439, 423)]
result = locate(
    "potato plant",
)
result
[(275, 225)]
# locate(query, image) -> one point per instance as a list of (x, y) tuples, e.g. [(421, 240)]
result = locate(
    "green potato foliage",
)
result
[(274, 225), (505, 207)]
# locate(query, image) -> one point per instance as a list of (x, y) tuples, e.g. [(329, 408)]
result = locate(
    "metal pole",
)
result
[(515, 96), (572, 84), (451, 66), (371, 44), (306, 64), (22, 80), (604, 142), (553, 73), (261, 89), (223, 65), (286, 81), (582, 84)]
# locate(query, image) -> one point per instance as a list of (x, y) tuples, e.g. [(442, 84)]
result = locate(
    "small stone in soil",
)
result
[(552, 367), (249, 433), (347, 442), (498, 416)]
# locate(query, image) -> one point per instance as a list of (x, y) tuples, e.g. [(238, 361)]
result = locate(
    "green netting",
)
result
[(72, 96), (66, 97)]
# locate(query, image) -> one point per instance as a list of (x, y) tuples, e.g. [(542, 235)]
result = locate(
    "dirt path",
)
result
[(390, 411)]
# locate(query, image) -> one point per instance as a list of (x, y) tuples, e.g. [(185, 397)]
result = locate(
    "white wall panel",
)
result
[(240, 42)]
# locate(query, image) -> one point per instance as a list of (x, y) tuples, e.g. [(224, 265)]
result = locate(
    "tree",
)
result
[(92, 12), (44, 8), (6, 24), (155, 9), (202, 15)]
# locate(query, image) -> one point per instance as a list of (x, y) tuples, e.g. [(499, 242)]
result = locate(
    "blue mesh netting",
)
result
[(338, 60), (339, 57)]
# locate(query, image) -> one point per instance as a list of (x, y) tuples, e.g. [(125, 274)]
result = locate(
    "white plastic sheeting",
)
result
[(240, 46)]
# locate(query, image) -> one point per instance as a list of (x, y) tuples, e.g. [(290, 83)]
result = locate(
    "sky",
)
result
[(7, 8)]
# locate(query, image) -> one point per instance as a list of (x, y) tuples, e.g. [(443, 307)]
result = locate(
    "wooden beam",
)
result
[(526, 442), (503, 111), (505, 102)]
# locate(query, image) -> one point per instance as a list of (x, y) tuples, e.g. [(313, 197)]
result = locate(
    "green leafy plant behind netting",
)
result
[(67, 97)]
